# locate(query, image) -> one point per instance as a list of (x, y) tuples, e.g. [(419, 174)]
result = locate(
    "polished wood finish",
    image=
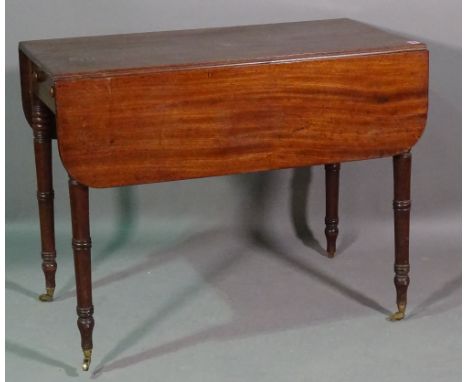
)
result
[(207, 122), (34, 83), (81, 244), (401, 208), (162, 106), (42, 130), (27, 81), (293, 95), (103, 56), (332, 183)]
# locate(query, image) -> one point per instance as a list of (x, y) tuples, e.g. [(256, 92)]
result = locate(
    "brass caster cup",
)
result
[(86, 360), (398, 316), (48, 296)]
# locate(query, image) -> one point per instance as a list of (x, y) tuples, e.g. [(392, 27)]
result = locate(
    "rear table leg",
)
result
[(332, 180), (42, 129), (401, 208)]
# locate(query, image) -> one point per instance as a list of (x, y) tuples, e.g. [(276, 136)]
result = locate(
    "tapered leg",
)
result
[(42, 129), (332, 180), (79, 202), (401, 208)]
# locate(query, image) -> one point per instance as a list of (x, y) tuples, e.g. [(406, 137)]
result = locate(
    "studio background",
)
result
[(239, 214)]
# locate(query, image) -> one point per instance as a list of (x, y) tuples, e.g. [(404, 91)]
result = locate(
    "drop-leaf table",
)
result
[(162, 106)]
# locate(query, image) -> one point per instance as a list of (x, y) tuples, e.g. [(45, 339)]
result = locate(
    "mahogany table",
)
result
[(154, 107)]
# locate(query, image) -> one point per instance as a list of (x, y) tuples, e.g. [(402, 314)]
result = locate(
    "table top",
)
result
[(161, 51), (162, 106)]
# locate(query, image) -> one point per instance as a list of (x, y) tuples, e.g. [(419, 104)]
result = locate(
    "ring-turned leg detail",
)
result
[(81, 243), (42, 129), (332, 181), (401, 208), (86, 325)]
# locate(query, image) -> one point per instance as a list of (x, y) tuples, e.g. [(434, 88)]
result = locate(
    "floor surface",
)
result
[(176, 304)]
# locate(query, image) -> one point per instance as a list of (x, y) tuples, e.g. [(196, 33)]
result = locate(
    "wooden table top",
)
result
[(160, 51), (153, 107)]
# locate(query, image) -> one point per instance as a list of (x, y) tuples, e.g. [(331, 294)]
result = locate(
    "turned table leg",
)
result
[(79, 202), (42, 129), (332, 181), (401, 208)]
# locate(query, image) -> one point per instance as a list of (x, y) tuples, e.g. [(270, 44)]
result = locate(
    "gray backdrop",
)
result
[(182, 293), (366, 186)]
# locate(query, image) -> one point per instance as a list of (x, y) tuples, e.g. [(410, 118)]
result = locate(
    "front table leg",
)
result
[(401, 208), (79, 202)]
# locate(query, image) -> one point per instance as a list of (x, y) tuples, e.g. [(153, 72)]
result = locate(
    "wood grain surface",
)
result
[(186, 124), (161, 106), (155, 51)]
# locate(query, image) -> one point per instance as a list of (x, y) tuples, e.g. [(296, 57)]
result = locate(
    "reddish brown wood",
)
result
[(401, 207), (26, 77), (33, 84), (81, 243), (207, 122), (332, 181), (103, 56), (175, 105), (42, 129)]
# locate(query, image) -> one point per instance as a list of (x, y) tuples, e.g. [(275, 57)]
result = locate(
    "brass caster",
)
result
[(331, 255), (86, 360), (48, 296), (398, 316)]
